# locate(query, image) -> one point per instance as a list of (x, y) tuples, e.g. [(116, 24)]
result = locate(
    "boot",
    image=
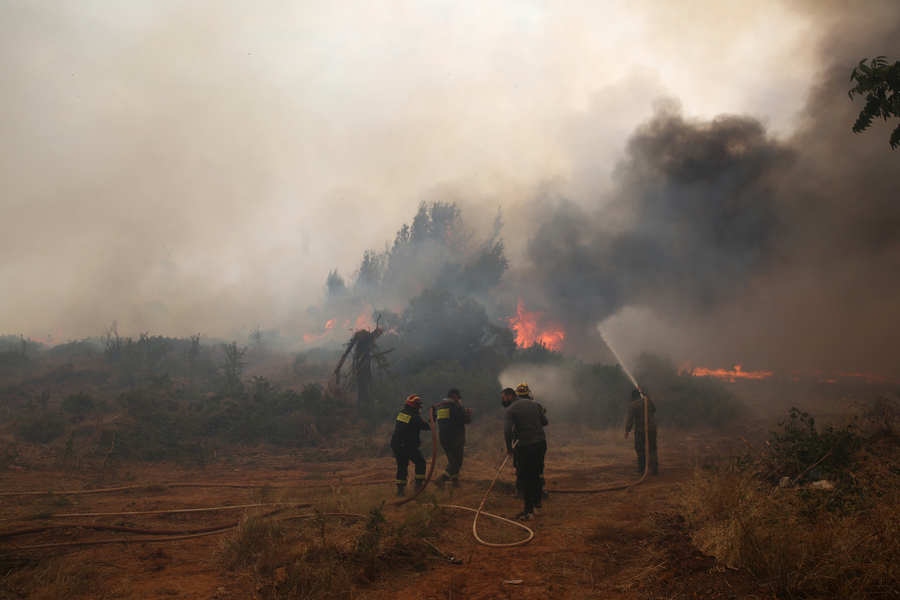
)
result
[(401, 490), (441, 481), (654, 469), (456, 482), (419, 484), (641, 465)]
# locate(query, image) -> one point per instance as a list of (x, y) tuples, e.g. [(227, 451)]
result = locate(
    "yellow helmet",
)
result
[(522, 391)]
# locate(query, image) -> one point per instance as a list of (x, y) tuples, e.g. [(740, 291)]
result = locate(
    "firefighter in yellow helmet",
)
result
[(525, 420)]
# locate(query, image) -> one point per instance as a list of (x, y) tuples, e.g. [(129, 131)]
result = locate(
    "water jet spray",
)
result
[(616, 354)]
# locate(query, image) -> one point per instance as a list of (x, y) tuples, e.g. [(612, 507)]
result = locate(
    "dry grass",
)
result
[(325, 555), (49, 579), (790, 540)]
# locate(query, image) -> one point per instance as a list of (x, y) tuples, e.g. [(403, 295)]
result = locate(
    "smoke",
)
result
[(202, 167), (550, 385), (693, 215), (722, 243)]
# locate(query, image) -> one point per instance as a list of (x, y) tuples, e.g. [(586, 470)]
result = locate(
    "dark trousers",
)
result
[(639, 448), (404, 456), (455, 453), (529, 467)]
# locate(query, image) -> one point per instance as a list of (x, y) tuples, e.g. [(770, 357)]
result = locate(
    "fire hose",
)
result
[(479, 512), (646, 462), (183, 534), (434, 444)]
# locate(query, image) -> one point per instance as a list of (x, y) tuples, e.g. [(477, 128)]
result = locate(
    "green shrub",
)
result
[(690, 400), (41, 426), (800, 445), (10, 359), (77, 405)]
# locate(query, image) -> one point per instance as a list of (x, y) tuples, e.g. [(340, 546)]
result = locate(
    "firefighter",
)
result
[(522, 391), (452, 419), (527, 418), (636, 419), (405, 443)]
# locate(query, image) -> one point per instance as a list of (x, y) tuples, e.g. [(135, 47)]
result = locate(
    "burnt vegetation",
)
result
[(196, 399)]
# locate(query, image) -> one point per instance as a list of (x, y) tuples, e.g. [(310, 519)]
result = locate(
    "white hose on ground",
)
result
[(479, 512)]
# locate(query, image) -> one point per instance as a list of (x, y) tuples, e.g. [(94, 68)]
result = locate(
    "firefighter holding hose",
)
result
[(527, 418), (636, 419), (405, 443), (452, 419)]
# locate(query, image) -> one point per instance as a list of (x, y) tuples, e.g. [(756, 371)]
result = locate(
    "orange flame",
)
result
[(730, 375), (312, 337), (53, 340), (364, 321), (530, 328)]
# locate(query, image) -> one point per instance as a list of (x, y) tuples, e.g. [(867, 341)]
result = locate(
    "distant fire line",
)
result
[(732, 375)]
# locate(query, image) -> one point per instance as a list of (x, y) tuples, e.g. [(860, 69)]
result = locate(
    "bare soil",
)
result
[(634, 543)]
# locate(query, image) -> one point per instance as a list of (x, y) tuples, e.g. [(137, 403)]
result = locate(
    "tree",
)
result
[(362, 344), (880, 82), (233, 369), (444, 327)]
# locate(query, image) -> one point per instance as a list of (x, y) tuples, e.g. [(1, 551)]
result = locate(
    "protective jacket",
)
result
[(407, 428), (528, 419), (452, 419), (636, 415)]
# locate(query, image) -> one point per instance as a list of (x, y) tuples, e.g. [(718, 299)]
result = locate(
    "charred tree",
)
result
[(362, 345)]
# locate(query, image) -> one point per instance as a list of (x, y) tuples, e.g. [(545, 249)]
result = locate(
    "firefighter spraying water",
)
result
[(641, 411)]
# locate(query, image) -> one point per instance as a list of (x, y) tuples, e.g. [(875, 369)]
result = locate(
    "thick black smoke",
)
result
[(743, 248), (693, 218)]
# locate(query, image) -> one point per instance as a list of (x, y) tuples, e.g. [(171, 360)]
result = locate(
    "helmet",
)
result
[(522, 391), (414, 401), (636, 393)]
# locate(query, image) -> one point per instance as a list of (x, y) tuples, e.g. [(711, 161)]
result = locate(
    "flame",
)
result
[(531, 329), (51, 340), (730, 375), (312, 337), (819, 376), (841, 377), (364, 321)]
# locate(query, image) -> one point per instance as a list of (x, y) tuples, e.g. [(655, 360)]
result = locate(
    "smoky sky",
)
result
[(684, 171), (721, 242), (693, 217)]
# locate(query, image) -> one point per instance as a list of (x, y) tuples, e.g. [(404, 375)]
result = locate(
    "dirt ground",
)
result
[(625, 544)]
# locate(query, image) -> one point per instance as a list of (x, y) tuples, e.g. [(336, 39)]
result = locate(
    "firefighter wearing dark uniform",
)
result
[(528, 419), (405, 443), (636, 419), (452, 419), (522, 391)]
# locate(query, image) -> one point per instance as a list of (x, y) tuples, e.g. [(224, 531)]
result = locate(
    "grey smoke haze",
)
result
[(723, 244), (202, 168)]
